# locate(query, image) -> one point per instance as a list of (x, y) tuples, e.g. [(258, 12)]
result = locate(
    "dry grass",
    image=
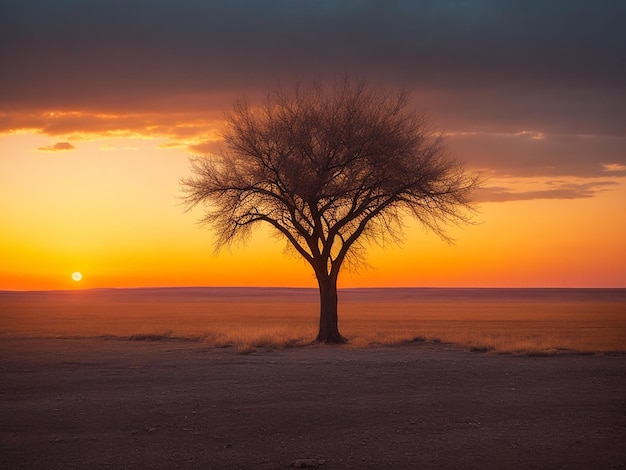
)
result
[(245, 339), (249, 338), (272, 321)]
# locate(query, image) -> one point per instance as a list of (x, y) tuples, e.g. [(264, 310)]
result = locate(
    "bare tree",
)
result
[(329, 167)]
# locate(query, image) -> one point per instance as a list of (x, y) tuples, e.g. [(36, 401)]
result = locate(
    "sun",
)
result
[(77, 276)]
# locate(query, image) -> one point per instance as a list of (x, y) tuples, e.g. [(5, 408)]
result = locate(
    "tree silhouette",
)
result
[(328, 167)]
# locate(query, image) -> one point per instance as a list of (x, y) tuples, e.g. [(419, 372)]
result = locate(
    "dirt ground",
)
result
[(109, 403)]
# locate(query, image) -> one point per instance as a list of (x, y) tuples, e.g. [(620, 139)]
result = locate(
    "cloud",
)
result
[(526, 153), (184, 130), (179, 125), (556, 191), (59, 146), (534, 154), (485, 63), (208, 147), (615, 168), (523, 89)]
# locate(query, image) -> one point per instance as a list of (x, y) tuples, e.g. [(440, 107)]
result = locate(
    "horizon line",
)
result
[(92, 289)]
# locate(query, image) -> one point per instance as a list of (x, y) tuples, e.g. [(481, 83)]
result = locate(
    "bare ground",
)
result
[(107, 403)]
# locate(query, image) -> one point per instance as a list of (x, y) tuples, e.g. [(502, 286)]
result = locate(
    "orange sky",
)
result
[(109, 208), (95, 139)]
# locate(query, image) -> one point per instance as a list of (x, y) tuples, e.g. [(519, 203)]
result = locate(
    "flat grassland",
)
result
[(530, 321)]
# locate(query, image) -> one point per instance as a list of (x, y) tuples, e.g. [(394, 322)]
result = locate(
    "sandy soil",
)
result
[(105, 403)]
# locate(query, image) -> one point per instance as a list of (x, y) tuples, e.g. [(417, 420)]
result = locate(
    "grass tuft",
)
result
[(169, 336), (250, 338)]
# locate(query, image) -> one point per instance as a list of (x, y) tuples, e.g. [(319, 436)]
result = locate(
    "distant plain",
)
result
[(527, 321)]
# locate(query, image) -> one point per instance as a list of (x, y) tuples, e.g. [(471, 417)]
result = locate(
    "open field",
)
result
[(75, 392), (108, 403), (533, 321)]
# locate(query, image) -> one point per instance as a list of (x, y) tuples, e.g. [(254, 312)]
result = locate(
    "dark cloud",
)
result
[(59, 146), (532, 154), (554, 191), (139, 53), (583, 112), (493, 67)]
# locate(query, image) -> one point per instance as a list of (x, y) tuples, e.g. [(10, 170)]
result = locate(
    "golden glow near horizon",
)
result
[(76, 276), (111, 205)]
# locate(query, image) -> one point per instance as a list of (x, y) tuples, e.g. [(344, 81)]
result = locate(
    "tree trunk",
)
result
[(328, 332)]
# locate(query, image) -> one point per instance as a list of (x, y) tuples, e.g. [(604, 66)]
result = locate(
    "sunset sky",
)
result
[(102, 102)]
